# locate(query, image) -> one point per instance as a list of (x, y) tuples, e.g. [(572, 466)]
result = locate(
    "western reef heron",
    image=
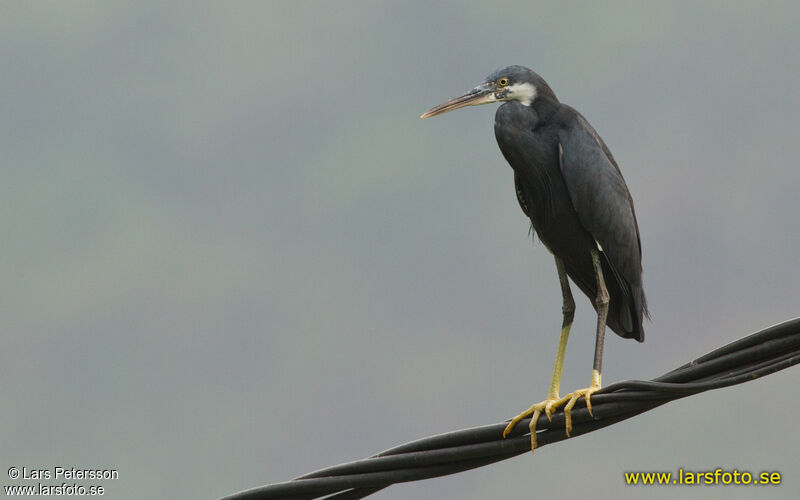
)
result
[(569, 185)]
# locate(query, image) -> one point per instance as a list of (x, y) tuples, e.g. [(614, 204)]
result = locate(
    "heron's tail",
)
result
[(636, 312)]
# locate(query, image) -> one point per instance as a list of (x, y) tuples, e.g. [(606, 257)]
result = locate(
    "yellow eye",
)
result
[(502, 82)]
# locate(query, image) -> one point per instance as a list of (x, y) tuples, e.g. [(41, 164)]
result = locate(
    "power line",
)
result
[(749, 358)]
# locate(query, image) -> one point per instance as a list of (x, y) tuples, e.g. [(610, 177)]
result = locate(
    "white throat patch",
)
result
[(522, 92)]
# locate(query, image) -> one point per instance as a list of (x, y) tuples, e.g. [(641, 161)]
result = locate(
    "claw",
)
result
[(573, 398), (532, 427), (549, 405), (552, 404), (548, 409)]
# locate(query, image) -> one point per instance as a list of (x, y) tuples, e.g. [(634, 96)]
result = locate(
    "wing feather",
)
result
[(600, 197)]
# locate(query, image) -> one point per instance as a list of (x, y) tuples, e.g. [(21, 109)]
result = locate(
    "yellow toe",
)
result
[(548, 406), (573, 398)]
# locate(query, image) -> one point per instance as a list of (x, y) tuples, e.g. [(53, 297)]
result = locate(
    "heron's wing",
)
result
[(600, 197)]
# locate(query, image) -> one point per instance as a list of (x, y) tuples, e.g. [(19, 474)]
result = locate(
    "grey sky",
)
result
[(234, 254)]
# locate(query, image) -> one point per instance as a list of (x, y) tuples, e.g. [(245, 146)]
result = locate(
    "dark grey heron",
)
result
[(569, 185)]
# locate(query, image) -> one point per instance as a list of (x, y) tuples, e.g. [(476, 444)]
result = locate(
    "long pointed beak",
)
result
[(476, 96)]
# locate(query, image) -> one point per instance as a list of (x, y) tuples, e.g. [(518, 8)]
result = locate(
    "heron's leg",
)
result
[(553, 401), (568, 312), (601, 301)]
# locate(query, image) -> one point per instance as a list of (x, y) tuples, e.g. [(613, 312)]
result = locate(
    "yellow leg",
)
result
[(601, 303), (553, 402)]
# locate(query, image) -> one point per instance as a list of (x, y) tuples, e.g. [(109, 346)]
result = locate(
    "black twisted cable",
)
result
[(762, 353)]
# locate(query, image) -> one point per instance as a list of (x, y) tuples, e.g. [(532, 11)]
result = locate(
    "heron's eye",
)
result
[(502, 82)]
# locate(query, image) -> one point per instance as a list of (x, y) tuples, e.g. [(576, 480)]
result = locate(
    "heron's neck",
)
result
[(545, 106)]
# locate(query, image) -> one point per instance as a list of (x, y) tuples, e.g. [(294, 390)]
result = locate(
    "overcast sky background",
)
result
[(233, 254)]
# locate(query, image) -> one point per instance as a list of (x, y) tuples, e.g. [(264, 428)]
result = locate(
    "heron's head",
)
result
[(513, 83)]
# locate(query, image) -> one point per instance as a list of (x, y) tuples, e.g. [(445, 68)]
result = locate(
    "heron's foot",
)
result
[(573, 398), (548, 406)]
